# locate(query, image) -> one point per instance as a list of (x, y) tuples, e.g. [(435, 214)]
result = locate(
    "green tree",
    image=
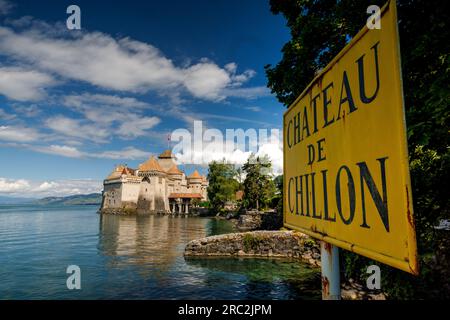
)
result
[(319, 30), (258, 185), (279, 183), (277, 200), (222, 184)]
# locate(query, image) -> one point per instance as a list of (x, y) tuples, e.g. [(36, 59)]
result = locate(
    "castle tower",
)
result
[(121, 189), (195, 181), (153, 192), (166, 160), (176, 176)]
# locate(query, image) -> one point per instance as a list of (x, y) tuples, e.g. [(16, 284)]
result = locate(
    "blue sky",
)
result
[(75, 103)]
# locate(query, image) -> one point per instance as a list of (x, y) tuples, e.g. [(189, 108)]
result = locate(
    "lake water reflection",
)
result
[(133, 257)]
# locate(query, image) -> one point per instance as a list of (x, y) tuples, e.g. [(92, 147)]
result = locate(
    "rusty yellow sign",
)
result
[(346, 174)]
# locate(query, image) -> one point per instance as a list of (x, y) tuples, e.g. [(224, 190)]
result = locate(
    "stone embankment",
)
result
[(274, 244), (131, 211)]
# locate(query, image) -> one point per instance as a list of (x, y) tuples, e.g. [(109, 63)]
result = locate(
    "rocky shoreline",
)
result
[(273, 244)]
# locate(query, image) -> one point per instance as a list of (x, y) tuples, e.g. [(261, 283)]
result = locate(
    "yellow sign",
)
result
[(346, 175)]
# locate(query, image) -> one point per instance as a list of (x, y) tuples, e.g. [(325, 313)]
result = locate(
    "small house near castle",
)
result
[(156, 186)]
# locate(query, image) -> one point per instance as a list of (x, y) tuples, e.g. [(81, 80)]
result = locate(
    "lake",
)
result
[(132, 257)]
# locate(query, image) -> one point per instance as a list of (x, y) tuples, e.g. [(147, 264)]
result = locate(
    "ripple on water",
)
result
[(132, 258)]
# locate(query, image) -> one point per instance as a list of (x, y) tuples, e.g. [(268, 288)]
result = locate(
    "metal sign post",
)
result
[(331, 280)]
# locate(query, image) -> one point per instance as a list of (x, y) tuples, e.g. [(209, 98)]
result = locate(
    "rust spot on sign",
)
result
[(325, 287), (408, 210), (327, 247), (414, 269)]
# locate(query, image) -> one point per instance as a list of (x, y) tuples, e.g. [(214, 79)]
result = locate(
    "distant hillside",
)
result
[(82, 199), (14, 200)]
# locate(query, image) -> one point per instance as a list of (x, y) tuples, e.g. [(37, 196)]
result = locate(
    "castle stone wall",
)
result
[(112, 194), (147, 189)]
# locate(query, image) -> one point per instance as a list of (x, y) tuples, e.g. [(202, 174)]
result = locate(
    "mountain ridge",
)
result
[(79, 199)]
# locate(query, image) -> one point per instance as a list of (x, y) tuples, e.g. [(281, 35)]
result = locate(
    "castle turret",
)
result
[(166, 160), (195, 177), (117, 173), (120, 189), (150, 165), (195, 182), (175, 173)]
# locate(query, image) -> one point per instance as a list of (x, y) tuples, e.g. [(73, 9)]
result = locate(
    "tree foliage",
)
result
[(277, 200), (319, 30), (222, 184), (259, 187)]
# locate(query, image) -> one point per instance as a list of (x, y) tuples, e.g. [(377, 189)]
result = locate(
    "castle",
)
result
[(157, 186)]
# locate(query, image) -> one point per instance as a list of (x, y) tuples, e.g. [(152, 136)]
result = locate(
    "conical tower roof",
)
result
[(151, 165), (117, 172), (195, 175), (174, 170), (166, 154)]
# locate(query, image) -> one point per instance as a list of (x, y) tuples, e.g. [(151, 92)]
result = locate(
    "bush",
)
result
[(204, 204)]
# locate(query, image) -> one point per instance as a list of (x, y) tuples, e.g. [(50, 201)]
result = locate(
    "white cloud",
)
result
[(40, 189), (45, 186), (207, 80), (275, 153), (67, 187), (104, 100), (6, 116), (233, 152), (253, 108), (77, 129), (65, 151), (118, 116), (239, 79), (24, 85), (118, 64), (135, 126), (29, 111), (11, 186), (247, 93), (231, 67), (18, 134), (129, 153)]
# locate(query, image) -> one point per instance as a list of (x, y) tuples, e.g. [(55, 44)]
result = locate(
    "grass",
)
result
[(250, 242)]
